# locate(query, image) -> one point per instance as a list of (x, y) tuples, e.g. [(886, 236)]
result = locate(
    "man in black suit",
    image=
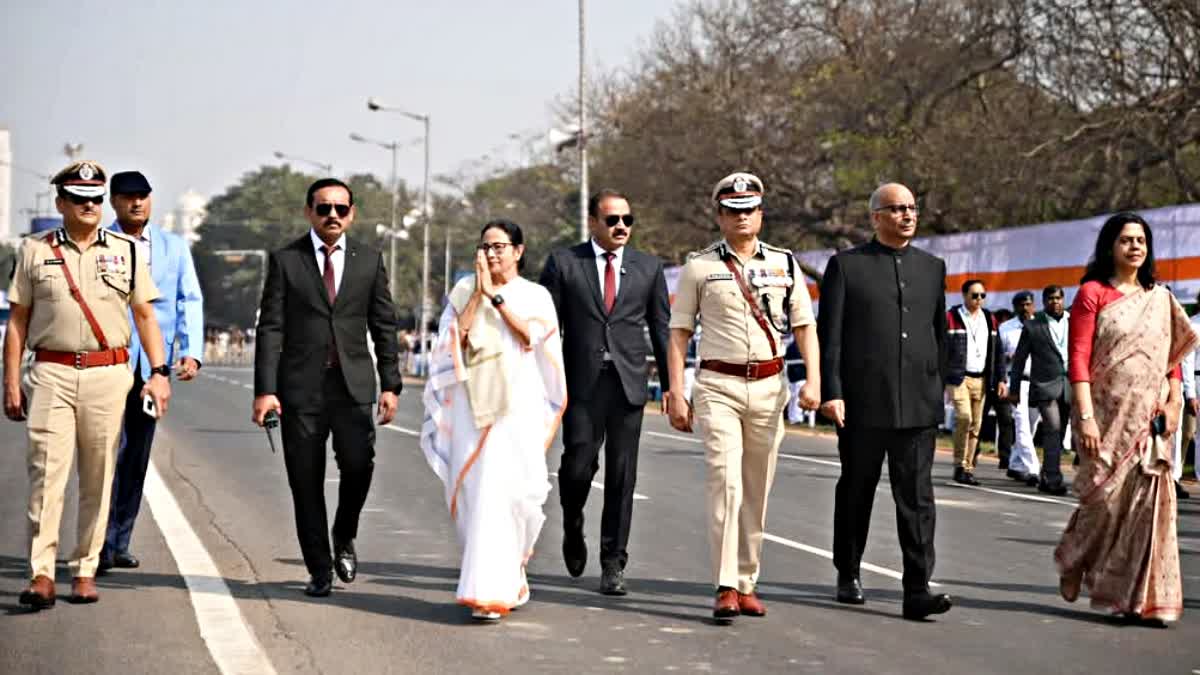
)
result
[(1044, 342), (323, 293), (882, 323), (607, 296)]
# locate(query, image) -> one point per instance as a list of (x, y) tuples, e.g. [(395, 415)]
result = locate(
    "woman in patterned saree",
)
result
[(493, 400), (1127, 337)]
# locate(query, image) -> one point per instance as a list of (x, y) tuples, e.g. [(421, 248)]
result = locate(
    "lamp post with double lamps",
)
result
[(394, 146), (375, 104)]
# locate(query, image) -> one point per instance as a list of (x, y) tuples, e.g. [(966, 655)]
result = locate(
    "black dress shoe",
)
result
[(105, 564), (849, 591), (125, 560), (1180, 493), (958, 474), (319, 586), (919, 606), (612, 580), (1056, 490), (345, 560), (574, 551), (1003, 465)]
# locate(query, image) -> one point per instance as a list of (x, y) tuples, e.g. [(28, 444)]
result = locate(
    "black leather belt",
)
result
[(970, 374)]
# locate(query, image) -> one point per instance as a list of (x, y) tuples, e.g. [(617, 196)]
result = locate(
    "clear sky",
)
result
[(194, 94)]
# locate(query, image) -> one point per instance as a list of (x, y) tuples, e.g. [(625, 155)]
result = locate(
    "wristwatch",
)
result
[(163, 370), (497, 300)]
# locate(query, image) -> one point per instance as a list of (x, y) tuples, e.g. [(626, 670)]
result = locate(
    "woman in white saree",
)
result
[(495, 394)]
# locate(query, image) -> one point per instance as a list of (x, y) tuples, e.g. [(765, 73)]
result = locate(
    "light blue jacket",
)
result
[(180, 306)]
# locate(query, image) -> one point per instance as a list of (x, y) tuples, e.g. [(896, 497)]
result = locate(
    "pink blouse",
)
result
[(1092, 297)]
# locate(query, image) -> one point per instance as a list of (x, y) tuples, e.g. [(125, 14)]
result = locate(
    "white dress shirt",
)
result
[(977, 339), (338, 258), (1058, 333), (601, 263)]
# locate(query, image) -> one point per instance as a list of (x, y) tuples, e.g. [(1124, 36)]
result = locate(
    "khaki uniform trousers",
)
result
[(741, 424), (968, 420), (71, 409)]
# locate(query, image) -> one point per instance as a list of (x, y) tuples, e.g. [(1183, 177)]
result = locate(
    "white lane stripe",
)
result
[(814, 460), (829, 556), (224, 630), (674, 437), (1018, 495), (407, 432), (637, 496)]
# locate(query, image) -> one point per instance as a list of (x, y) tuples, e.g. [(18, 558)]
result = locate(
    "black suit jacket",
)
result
[(296, 324), (1047, 373), (882, 324), (573, 280)]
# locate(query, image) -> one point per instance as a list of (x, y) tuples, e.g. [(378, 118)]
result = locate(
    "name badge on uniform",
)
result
[(110, 265), (53, 261), (719, 276), (770, 277)]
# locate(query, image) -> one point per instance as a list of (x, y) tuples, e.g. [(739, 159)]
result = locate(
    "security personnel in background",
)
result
[(71, 293), (748, 295)]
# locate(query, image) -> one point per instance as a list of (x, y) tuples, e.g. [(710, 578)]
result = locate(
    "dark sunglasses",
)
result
[(80, 201), (899, 208), (323, 210), (612, 221), (737, 212), (498, 247), (978, 296)]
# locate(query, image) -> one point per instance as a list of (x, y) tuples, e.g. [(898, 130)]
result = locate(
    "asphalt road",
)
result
[(994, 557)]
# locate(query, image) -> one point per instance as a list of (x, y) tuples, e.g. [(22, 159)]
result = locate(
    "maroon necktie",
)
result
[(331, 357), (610, 282), (330, 288)]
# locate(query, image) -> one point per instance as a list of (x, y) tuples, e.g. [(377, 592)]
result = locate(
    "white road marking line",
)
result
[(224, 630), (407, 432), (637, 496), (1007, 493), (829, 556), (673, 437), (814, 460)]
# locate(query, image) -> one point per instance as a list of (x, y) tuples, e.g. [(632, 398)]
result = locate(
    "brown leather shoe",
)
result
[(726, 605), (40, 594), (83, 591), (750, 605)]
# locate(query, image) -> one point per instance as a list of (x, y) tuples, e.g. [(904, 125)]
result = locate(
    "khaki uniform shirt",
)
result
[(112, 274), (729, 331)]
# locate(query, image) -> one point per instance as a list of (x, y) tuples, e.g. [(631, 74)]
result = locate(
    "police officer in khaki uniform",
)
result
[(71, 293), (748, 296)]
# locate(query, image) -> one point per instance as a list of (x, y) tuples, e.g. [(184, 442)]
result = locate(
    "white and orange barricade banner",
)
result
[(1031, 257)]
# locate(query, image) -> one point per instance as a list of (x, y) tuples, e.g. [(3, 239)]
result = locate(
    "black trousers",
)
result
[(129, 475), (606, 418), (910, 460), (1006, 430), (304, 435), (1054, 416)]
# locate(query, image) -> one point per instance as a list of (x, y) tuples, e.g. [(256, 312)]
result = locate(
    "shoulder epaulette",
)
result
[(777, 249), (711, 248)]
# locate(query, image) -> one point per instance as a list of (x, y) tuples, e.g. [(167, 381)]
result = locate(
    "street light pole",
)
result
[(583, 164), (327, 168), (374, 104)]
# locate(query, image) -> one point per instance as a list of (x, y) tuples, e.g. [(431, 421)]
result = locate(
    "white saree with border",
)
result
[(495, 476)]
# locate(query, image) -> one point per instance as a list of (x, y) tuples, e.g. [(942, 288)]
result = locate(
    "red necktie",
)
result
[(331, 357), (330, 288), (610, 282)]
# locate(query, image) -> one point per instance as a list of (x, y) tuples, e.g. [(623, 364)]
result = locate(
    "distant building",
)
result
[(187, 216)]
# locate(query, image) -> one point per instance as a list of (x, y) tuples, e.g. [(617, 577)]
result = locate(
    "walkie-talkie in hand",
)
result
[(271, 426)]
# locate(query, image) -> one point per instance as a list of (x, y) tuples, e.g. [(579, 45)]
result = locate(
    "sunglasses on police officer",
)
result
[(80, 201), (612, 221), (324, 210)]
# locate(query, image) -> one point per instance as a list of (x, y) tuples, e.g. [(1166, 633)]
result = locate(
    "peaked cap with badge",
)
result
[(84, 178), (739, 190)]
